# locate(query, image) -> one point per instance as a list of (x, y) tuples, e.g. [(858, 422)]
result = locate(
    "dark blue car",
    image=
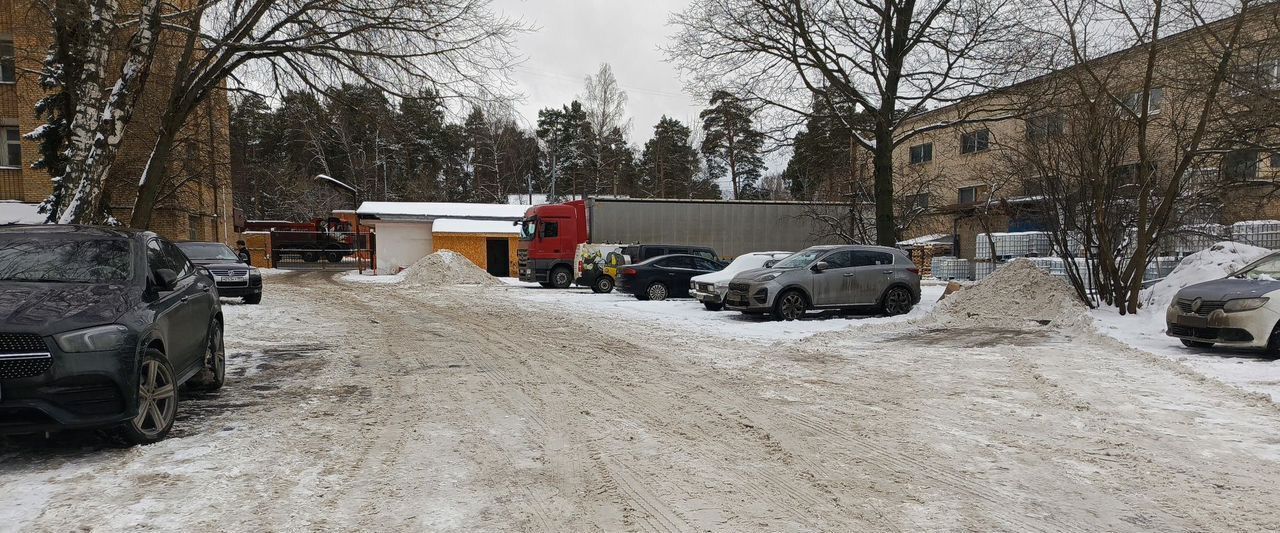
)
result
[(99, 328)]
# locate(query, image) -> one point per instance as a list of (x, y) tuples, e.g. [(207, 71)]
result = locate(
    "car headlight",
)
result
[(1244, 304), (768, 277), (95, 339)]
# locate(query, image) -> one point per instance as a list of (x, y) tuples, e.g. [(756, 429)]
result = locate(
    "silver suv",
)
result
[(828, 277)]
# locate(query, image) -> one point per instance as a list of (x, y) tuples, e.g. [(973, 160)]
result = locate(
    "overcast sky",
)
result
[(572, 37)]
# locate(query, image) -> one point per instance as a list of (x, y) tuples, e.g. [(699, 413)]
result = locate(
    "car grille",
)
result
[(743, 287), (23, 355), (230, 272), (1206, 306)]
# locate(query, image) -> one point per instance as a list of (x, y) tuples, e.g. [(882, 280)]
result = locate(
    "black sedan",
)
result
[(99, 328), (234, 278), (663, 276)]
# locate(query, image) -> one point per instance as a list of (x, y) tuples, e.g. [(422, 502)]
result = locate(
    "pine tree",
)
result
[(669, 165), (570, 151), (731, 144)]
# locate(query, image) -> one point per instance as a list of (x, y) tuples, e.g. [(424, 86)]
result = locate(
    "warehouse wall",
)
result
[(474, 246), (401, 244)]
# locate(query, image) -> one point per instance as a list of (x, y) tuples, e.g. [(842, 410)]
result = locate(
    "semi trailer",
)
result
[(550, 234)]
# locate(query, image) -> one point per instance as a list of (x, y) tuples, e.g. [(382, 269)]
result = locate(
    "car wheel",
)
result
[(157, 401), (1273, 342), (1199, 344), (603, 285), (896, 302), (561, 278), (253, 299), (657, 291), (790, 305), (713, 306), (214, 374)]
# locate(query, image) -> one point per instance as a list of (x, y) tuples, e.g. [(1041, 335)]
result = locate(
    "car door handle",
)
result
[(851, 274), (886, 271), (184, 299)]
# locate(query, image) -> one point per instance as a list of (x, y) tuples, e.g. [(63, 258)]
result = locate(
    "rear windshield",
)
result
[(207, 251), (64, 259)]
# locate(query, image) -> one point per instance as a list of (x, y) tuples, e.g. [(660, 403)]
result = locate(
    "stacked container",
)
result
[(1020, 244), (1264, 233), (949, 268)]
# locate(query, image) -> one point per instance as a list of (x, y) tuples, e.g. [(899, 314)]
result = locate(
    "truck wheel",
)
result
[(602, 285), (334, 255), (790, 305), (713, 306), (311, 256), (561, 278)]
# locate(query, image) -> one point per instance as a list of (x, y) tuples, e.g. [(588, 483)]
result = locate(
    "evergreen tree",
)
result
[(570, 151), (731, 144), (669, 165)]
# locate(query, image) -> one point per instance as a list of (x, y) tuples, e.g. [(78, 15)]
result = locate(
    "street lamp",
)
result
[(355, 212)]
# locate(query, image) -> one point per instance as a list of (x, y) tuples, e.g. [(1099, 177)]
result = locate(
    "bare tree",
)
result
[(397, 46), (887, 59)]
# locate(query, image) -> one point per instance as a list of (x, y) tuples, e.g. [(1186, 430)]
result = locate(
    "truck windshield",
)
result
[(528, 229), (800, 259)]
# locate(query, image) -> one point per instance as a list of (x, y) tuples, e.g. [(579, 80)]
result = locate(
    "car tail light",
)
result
[(628, 272), (580, 265), (915, 271)]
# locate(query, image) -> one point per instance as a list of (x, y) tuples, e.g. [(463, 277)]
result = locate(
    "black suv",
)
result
[(98, 329), (234, 278), (664, 276)]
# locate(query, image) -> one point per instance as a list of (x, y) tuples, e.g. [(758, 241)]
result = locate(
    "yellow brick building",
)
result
[(196, 202)]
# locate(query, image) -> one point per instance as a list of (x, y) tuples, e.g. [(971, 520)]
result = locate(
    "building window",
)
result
[(1275, 159), (917, 202), (1241, 165), (193, 227), (921, 153), (1155, 101), (8, 73), (1129, 174), (968, 195), (1043, 127), (977, 141), (12, 154), (1269, 73)]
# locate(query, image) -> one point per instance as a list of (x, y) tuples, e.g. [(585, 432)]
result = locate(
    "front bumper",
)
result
[(1245, 329), (754, 296), (707, 294), (78, 390)]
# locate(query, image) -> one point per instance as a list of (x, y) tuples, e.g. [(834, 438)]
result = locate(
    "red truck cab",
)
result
[(549, 238)]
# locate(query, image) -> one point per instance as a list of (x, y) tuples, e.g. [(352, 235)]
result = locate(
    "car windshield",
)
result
[(1266, 269), (800, 259), (208, 251), (64, 259), (528, 229)]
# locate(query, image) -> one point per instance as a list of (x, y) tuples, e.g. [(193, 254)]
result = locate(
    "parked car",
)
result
[(99, 328), (636, 253), (828, 277), (1241, 310), (710, 288), (663, 276), (592, 261), (234, 278)]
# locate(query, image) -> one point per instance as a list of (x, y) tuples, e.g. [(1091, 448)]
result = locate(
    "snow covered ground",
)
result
[(402, 407), (688, 316)]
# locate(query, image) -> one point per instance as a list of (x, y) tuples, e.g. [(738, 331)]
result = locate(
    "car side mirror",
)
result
[(166, 279), (821, 266), (770, 263)]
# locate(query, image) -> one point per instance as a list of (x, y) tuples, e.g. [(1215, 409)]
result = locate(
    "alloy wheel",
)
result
[(657, 291), (157, 399), (217, 354), (897, 302), (792, 306)]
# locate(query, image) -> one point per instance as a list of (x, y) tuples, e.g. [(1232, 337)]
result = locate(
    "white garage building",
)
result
[(404, 228)]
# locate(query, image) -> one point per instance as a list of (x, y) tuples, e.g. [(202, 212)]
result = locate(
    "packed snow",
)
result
[(444, 267), (20, 213), (435, 210)]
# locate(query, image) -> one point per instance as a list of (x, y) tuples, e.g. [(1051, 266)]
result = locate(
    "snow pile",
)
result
[(447, 267), (1015, 293), (1216, 262)]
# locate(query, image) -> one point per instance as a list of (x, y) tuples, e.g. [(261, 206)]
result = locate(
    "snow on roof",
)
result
[(458, 225), (20, 213), (427, 211), (934, 238)]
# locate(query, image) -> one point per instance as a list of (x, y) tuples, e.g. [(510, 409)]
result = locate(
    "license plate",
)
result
[(1193, 321), (233, 279)]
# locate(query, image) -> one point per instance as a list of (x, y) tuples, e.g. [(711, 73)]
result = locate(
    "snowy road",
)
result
[(380, 407)]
